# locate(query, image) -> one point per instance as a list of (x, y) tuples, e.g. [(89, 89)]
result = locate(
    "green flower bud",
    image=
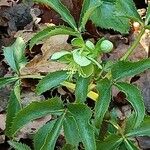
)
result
[(106, 46)]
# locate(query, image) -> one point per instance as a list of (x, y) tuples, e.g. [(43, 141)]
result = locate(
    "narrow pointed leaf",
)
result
[(52, 136), (87, 13), (71, 130), (103, 101), (42, 133), (13, 107), (19, 146), (14, 54), (129, 145), (124, 69), (81, 89), (82, 114), (134, 97), (142, 130), (51, 31), (7, 80), (51, 80), (85, 6), (111, 142), (34, 111), (61, 9)]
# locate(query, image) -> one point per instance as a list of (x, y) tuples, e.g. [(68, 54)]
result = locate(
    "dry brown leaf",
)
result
[(26, 35), (55, 44), (41, 63), (5, 3), (144, 84)]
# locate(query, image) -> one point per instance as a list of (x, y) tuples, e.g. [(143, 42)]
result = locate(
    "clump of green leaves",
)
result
[(80, 123)]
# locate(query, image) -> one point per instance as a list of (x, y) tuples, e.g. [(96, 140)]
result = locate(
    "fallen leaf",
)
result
[(144, 85), (41, 63)]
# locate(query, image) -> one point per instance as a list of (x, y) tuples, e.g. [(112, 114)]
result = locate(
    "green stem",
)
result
[(31, 77), (134, 45)]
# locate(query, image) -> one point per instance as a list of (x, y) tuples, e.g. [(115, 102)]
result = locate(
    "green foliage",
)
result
[(71, 130), (129, 145), (105, 17), (87, 12), (111, 142), (102, 104), (61, 9), (81, 89), (82, 114), (7, 80), (127, 9), (136, 100), (124, 69), (18, 146), (142, 130), (34, 111), (51, 31), (51, 80), (94, 126), (14, 54), (51, 137), (42, 133), (13, 107)]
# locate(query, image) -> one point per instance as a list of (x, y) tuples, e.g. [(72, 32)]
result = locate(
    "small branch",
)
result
[(134, 45)]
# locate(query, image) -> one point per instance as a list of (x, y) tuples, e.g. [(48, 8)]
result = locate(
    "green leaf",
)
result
[(147, 20), (79, 59), (86, 14), (61, 9), (90, 45), (52, 136), (7, 80), (71, 130), (147, 27), (142, 130), (87, 71), (81, 89), (85, 6), (129, 145), (129, 122), (42, 133), (105, 17), (77, 42), (51, 31), (58, 55), (51, 80), (34, 111), (112, 142), (103, 101), (124, 69), (127, 9), (19, 146), (13, 107), (134, 97), (14, 54), (82, 114)]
